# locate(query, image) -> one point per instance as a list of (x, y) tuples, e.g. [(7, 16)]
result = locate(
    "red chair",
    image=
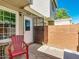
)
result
[(18, 47)]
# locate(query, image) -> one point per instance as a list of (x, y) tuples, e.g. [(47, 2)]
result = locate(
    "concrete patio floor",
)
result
[(34, 54)]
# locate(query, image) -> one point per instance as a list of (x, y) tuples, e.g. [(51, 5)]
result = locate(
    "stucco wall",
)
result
[(42, 6), (63, 36), (62, 22), (21, 25)]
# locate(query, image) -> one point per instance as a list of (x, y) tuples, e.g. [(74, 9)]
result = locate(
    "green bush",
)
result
[(61, 14)]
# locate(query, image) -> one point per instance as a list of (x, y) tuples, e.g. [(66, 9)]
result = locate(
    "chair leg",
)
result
[(27, 54), (10, 57), (27, 57)]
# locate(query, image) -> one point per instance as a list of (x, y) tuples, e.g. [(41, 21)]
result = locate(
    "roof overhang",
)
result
[(55, 3), (18, 3)]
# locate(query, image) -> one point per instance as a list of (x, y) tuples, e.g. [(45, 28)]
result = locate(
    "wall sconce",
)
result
[(20, 13)]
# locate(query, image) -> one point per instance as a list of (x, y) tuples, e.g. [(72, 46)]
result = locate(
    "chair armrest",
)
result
[(26, 45), (9, 48)]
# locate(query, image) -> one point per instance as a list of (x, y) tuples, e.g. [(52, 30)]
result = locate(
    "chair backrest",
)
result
[(17, 41)]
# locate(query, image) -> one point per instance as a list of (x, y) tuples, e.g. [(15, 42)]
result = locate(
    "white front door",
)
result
[(28, 29)]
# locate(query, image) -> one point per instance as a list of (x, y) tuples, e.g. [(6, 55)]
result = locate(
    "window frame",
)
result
[(27, 25), (7, 20)]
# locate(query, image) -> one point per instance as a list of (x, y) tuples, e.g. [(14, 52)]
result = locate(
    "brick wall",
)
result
[(63, 36)]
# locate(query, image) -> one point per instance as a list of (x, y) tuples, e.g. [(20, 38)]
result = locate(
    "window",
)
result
[(7, 24), (27, 25)]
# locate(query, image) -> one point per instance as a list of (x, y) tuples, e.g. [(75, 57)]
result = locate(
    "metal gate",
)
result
[(38, 34)]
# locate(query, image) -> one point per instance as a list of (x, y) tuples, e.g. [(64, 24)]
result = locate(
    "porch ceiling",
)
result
[(18, 3), (33, 11)]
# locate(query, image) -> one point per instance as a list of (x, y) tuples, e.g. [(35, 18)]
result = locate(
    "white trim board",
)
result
[(5, 40)]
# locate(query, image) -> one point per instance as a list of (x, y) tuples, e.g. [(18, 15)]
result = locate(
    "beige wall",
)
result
[(63, 36), (41, 6), (21, 24)]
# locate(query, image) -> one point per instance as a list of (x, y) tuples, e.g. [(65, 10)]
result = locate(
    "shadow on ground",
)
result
[(34, 54)]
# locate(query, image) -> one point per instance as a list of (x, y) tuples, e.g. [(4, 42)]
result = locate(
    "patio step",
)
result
[(52, 51)]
